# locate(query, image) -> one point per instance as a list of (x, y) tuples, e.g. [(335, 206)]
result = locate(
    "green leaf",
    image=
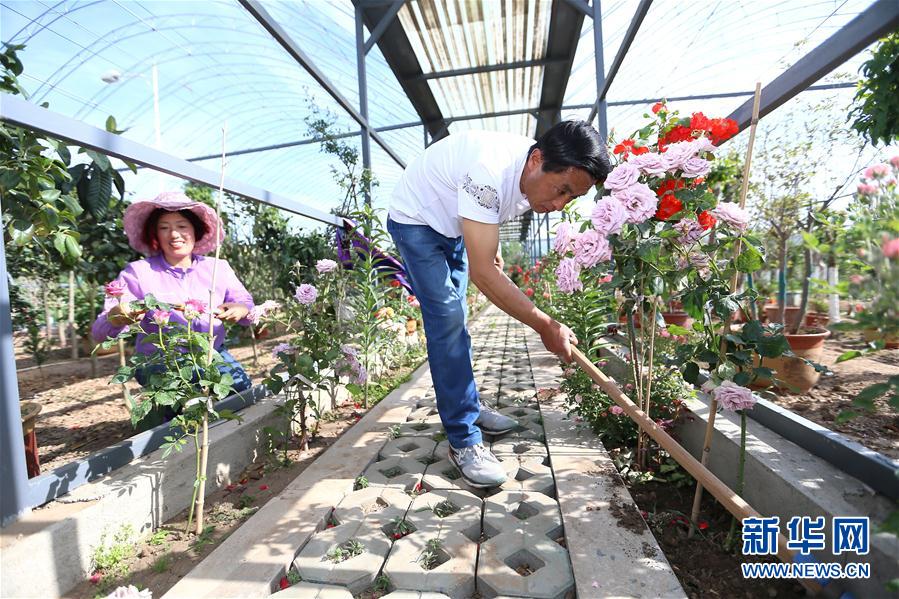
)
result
[(749, 260), (849, 355), (872, 392), (110, 124), (101, 160), (691, 373)]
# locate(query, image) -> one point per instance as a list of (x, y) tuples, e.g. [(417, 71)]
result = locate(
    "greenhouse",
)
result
[(449, 298)]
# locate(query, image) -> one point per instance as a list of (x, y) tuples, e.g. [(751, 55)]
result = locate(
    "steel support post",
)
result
[(13, 474)]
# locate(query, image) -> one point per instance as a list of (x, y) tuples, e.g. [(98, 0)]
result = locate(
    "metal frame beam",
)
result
[(254, 7), (876, 21), (382, 25), (629, 36), (400, 56), (21, 113), (521, 64), (362, 81), (599, 63)]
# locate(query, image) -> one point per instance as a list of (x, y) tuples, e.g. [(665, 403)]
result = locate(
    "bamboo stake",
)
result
[(126, 395), (732, 502), (204, 448), (713, 403)]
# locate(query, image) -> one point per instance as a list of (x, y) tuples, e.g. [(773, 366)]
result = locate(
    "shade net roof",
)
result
[(216, 67)]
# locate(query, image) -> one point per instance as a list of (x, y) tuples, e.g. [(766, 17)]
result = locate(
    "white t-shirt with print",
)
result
[(473, 174)]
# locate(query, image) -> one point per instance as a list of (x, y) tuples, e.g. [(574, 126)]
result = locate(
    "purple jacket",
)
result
[(156, 277)]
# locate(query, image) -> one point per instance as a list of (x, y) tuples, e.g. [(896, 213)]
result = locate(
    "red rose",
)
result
[(699, 122), (640, 150), (627, 147), (283, 583), (668, 206), (706, 220), (263, 487), (669, 185), (657, 107), (722, 130), (529, 292), (395, 283), (703, 525)]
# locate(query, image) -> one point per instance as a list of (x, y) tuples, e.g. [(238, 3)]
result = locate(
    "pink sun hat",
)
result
[(136, 216)]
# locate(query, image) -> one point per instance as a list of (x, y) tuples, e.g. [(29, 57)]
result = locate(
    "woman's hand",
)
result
[(122, 315), (231, 311)]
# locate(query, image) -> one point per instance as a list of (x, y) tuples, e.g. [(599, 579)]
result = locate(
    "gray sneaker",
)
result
[(493, 422), (478, 465)]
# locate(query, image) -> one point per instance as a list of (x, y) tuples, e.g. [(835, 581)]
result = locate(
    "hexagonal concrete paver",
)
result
[(407, 447), (319, 561), (309, 590), (533, 512), (437, 559), (444, 509), (401, 473), (522, 564)]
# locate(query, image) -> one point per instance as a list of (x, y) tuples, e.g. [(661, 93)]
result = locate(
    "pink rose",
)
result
[(856, 279), (732, 396), (604, 279), (639, 201), (608, 216), (194, 308), (891, 249), (258, 312), (878, 171), (591, 247), (564, 236), (115, 288), (696, 167), (161, 317), (617, 410), (867, 189), (649, 163), (578, 398), (568, 276), (895, 161), (732, 215), (623, 176)]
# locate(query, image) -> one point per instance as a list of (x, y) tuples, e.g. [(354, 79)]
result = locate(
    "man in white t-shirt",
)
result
[(444, 218)]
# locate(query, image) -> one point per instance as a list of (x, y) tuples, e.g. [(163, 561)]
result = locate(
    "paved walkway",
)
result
[(416, 528)]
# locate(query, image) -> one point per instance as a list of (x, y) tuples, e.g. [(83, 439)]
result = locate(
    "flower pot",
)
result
[(681, 319), (791, 315), (816, 320), (889, 342), (794, 374)]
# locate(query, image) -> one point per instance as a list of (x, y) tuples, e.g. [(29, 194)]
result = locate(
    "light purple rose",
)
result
[(639, 201), (306, 294), (564, 236), (623, 176), (260, 311), (696, 167), (591, 247), (649, 163), (324, 265), (677, 154), (283, 348), (690, 231), (608, 216), (703, 144), (568, 276), (732, 215), (732, 396)]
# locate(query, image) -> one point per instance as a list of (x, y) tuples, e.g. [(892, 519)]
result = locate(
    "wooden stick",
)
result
[(204, 448), (713, 403), (732, 502)]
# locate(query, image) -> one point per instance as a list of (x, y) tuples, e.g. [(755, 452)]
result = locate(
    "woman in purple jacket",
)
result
[(174, 232)]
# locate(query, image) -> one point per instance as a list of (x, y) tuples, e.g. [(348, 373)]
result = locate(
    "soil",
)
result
[(82, 413), (877, 430), (702, 565), (159, 562)]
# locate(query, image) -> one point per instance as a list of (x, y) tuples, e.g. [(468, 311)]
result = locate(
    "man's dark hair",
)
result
[(153, 220), (574, 144)]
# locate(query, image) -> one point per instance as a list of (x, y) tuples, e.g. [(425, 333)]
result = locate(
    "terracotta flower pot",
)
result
[(816, 319), (681, 319), (890, 342), (795, 374), (791, 315)]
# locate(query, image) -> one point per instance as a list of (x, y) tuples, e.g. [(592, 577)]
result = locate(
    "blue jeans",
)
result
[(159, 415), (438, 271)]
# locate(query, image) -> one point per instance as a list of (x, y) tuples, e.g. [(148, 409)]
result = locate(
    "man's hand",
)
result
[(232, 312), (558, 339)]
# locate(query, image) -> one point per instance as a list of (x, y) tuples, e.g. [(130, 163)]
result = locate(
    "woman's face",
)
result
[(175, 235)]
